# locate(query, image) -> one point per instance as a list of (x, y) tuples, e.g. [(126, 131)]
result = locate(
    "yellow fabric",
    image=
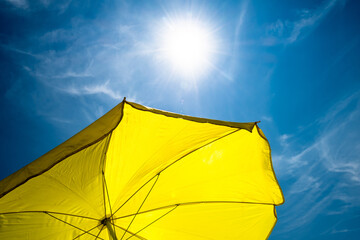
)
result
[(85, 138), (151, 175)]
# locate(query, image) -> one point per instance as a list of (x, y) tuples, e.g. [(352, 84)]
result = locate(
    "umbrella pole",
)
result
[(111, 230)]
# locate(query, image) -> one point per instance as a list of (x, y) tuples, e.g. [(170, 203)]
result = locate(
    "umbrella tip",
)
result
[(124, 99)]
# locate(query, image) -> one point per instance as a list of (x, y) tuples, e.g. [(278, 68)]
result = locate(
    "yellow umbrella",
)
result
[(142, 173)]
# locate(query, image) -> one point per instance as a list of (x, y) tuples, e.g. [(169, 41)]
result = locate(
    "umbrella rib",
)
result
[(68, 223), (67, 214), (141, 205), (102, 170), (107, 193), (86, 232), (135, 193), (127, 231), (97, 236), (189, 203), (155, 220), (103, 187)]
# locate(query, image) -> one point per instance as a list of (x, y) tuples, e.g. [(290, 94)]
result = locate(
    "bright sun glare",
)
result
[(188, 45)]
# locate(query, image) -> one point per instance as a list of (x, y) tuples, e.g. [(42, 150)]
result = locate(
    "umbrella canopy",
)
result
[(142, 173)]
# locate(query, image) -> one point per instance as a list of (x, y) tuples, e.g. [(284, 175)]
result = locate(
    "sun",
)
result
[(188, 45)]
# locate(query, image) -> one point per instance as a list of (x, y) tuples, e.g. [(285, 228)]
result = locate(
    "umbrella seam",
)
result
[(181, 204), (53, 165), (66, 214), (194, 203), (70, 190), (194, 119)]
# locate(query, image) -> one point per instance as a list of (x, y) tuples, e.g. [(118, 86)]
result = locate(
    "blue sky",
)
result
[(294, 65)]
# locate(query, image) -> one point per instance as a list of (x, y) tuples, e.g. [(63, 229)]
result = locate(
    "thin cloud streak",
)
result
[(288, 32), (94, 89), (20, 51)]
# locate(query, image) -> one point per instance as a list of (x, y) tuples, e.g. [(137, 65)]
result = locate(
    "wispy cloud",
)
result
[(337, 143), (267, 119), (310, 19), (326, 171), (60, 120), (284, 140), (58, 6), (289, 31), (103, 88), (89, 67), (345, 230), (304, 183), (23, 4)]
